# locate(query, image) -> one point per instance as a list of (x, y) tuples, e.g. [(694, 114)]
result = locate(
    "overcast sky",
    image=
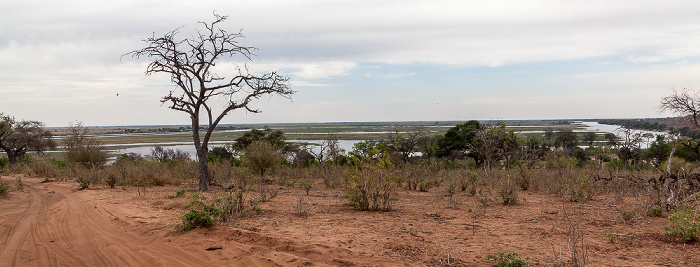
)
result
[(60, 61)]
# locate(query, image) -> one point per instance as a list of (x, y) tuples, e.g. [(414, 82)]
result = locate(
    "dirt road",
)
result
[(49, 224), (54, 226)]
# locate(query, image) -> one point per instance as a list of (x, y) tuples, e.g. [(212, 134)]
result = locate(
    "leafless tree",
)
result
[(684, 103), (18, 137), (190, 63)]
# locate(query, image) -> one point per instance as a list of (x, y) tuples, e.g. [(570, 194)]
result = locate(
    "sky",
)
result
[(61, 61)]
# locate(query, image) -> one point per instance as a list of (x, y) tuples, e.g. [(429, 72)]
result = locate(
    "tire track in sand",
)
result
[(61, 229)]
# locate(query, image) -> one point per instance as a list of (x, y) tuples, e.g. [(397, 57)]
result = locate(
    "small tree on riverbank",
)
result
[(18, 137)]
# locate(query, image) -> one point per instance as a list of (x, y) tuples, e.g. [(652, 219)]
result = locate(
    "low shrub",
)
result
[(196, 219), (230, 205), (503, 259), (4, 162), (509, 193), (200, 214), (627, 214), (4, 188), (616, 238), (579, 187), (685, 225), (302, 208), (306, 184), (655, 211), (371, 185)]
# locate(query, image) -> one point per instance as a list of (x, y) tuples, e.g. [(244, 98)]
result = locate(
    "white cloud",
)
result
[(323, 70), (70, 51)]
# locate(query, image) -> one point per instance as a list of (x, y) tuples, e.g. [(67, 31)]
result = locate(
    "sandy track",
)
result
[(56, 227), (49, 224)]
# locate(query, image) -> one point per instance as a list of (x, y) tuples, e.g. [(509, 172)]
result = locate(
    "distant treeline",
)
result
[(672, 125), (639, 124), (171, 129)]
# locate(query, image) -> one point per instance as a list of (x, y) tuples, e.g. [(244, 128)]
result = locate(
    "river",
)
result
[(347, 145)]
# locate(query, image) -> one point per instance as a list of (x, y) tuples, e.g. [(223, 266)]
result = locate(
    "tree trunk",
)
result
[(15, 156), (667, 194), (203, 168)]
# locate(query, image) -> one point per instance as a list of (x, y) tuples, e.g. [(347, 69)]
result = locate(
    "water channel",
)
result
[(347, 145)]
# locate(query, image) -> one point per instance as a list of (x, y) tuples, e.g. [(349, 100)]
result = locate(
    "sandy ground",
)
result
[(52, 224)]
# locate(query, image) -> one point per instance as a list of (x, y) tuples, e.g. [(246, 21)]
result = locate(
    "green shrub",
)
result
[(4, 162), (627, 214), (200, 214), (509, 194), (425, 185), (84, 149), (230, 205), (196, 219), (59, 163), (306, 184), (451, 188), (371, 185), (4, 188), (83, 181), (685, 224), (655, 211), (579, 188), (503, 259), (615, 238)]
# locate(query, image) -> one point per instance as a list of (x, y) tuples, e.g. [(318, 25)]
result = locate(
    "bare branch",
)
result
[(190, 63)]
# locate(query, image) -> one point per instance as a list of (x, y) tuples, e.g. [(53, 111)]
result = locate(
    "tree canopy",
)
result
[(19, 137), (457, 139)]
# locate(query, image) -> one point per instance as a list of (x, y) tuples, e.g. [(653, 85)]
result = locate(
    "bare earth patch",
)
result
[(50, 224)]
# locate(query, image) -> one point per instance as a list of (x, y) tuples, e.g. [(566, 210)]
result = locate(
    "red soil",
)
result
[(52, 224)]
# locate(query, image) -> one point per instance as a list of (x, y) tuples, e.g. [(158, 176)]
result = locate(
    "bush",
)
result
[(306, 184), (579, 187), (627, 214), (371, 185), (84, 149), (196, 219), (655, 211), (503, 259), (200, 214), (509, 194), (4, 188), (230, 205), (685, 224), (260, 156), (4, 162)]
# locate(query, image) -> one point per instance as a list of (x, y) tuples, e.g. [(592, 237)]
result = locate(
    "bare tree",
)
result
[(684, 103), (190, 63), (18, 137)]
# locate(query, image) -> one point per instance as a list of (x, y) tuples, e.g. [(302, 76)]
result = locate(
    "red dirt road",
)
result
[(56, 227), (48, 224)]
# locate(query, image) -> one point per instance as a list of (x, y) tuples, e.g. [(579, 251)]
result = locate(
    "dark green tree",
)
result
[(276, 138), (19, 137), (566, 139), (589, 138), (457, 140)]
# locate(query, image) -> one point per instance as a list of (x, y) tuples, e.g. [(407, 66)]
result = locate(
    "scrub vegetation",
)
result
[(469, 163)]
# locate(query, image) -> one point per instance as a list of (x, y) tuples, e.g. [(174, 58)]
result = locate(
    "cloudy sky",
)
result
[(356, 60)]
